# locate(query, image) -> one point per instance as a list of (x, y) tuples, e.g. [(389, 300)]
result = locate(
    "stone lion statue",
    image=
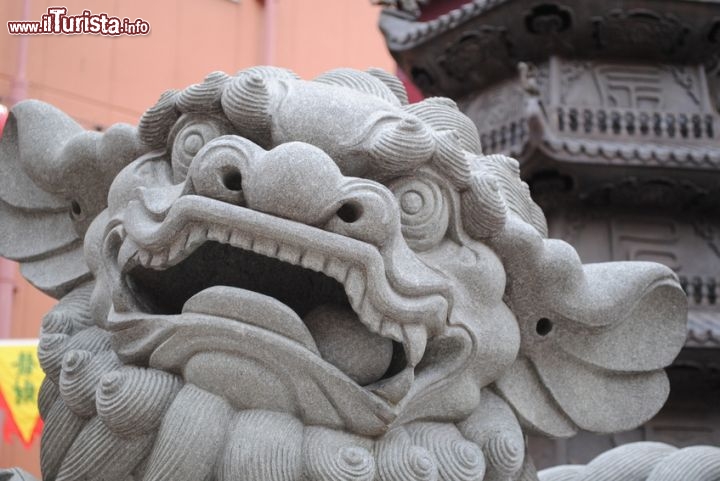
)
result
[(278, 279)]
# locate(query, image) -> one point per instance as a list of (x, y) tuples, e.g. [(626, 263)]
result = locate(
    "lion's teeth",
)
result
[(127, 250), (336, 269), (289, 254), (355, 287), (414, 342), (144, 257), (266, 247), (197, 236), (178, 247), (313, 261), (240, 239), (217, 233), (159, 260)]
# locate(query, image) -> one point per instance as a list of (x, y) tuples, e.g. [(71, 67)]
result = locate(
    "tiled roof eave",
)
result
[(403, 34), (638, 153)]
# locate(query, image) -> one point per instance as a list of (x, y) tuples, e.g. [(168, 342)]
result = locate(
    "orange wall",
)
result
[(103, 80)]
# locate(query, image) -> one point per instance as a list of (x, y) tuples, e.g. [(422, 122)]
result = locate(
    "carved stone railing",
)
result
[(703, 292), (506, 138), (644, 125)]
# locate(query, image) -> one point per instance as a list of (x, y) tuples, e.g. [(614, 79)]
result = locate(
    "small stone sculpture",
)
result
[(278, 279)]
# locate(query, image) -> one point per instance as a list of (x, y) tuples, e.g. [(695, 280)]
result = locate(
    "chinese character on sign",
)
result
[(20, 379)]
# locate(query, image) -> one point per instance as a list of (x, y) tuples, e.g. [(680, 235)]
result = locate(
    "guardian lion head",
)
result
[(278, 279)]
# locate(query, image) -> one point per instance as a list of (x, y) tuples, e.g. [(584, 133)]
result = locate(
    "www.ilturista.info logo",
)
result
[(57, 21)]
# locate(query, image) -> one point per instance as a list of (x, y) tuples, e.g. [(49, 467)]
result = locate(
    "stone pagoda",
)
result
[(611, 107)]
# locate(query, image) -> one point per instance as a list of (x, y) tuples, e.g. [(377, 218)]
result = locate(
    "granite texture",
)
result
[(644, 461), (278, 279)]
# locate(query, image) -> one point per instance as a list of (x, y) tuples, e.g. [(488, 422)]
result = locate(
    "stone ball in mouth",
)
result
[(346, 343)]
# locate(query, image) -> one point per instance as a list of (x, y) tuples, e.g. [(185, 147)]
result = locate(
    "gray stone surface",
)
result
[(644, 461), (288, 279)]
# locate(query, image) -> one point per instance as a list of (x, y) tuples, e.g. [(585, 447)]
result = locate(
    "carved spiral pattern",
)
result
[(504, 454), (421, 464), (275, 453), (399, 460), (506, 171), (423, 211), (484, 209), (470, 458), (354, 463), (156, 122), (392, 82), (57, 322), (335, 456), (100, 454), (77, 389), (270, 72), (61, 428), (189, 140), (360, 81), (47, 395), (457, 459), (205, 96), (644, 461), (70, 314), (133, 400), (494, 427), (450, 159), (76, 444), (443, 114), (81, 371), (189, 440), (51, 349), (246, 103), (92, 339), (401, 146)]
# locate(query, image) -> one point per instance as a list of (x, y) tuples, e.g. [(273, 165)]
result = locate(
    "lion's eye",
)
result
[(423, 211), (193, 143), (188, 142)]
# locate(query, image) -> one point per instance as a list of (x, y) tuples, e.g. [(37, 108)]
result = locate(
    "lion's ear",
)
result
[(595, 337), (37, 229), (54, 178)]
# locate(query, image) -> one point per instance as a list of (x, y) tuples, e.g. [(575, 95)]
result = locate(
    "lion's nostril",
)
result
[(544, 326), (75, 208), (349, 212), (232, 180)]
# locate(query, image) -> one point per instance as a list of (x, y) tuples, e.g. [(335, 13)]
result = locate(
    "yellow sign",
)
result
[(20, 378)]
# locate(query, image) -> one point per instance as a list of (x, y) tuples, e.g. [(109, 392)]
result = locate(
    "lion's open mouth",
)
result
[(215, 264), (199, 247), (302, 289)]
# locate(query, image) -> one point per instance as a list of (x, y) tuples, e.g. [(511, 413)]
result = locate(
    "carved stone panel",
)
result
[(477, 52), (631, 86), (637, 28)]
